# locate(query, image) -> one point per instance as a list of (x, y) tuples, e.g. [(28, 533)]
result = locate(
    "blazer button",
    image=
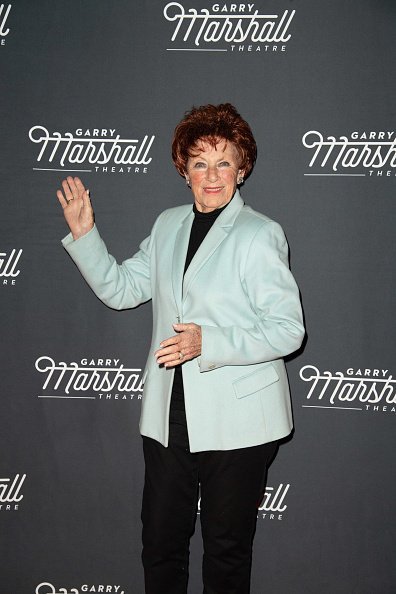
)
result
[(212, 366)]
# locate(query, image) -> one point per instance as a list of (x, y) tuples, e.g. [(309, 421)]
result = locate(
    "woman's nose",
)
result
[(212, 174)]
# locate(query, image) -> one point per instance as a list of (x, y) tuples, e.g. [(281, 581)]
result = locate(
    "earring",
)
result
[(240, 180), (188, 182)]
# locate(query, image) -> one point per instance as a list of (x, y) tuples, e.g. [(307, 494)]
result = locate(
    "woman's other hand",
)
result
[(185, 345), (77, 207)]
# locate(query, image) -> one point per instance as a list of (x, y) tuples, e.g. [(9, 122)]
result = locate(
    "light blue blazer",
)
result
[(240, 290)]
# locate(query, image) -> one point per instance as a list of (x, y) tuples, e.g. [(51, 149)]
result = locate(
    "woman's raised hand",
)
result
[(77, 207)]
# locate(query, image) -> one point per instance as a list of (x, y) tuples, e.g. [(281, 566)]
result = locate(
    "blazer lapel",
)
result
[(179, 257), (214, 238)]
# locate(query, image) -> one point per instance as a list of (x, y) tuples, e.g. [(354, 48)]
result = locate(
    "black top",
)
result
[(178, 434)]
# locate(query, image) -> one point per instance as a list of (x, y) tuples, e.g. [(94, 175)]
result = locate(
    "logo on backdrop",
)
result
[(90, 379), (9, 266), (228, 27), (272, 506), (96, 150), (10, 492), (48, 588), (4, 29), (361, 154), (355, 389)]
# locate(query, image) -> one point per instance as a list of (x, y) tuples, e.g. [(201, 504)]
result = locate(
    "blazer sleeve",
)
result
[(120, 286), (274, 297)]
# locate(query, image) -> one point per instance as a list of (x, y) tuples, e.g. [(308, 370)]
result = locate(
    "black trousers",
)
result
[(232, 484)]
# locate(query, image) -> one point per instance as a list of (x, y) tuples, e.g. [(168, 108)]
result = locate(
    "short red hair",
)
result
[(212, 123)]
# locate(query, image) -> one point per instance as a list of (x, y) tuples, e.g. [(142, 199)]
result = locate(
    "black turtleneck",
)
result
[(178, 434)]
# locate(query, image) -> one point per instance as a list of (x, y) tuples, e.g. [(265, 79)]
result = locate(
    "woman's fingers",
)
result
[(175, 358), (73, 187), (67, 190), (180, 356), (181, 347), (79, 185), (86, 200), (171, 360), (170, 341), (169, 351), (166, 351), (62, 199)]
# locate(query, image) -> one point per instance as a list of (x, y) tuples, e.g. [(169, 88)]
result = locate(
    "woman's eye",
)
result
[(224, 164), (199, 165)]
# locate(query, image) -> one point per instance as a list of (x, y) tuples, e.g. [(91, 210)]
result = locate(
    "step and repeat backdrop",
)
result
[(94, 88)]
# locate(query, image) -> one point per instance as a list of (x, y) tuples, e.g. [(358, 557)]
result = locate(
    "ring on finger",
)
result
[(181, 355)]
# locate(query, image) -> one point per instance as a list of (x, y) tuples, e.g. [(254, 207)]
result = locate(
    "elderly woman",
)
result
[(226, 310)]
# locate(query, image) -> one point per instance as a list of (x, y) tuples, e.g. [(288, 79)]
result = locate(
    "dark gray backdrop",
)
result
[(73, 521)]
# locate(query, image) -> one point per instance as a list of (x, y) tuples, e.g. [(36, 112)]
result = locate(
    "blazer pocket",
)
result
[(255, 381)]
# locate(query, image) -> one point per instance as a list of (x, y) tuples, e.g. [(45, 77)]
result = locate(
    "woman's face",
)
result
[(213, 174)]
